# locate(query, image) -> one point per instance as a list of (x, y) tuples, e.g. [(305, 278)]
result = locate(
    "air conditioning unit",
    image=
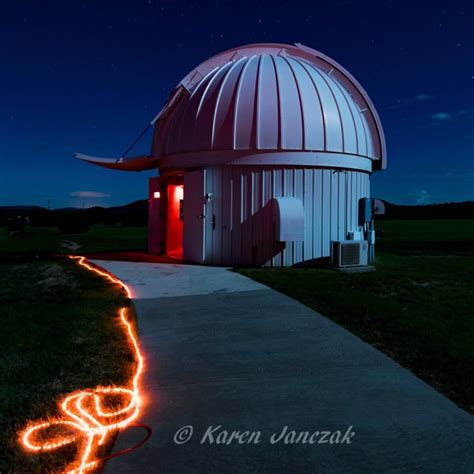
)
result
[(349, 253)]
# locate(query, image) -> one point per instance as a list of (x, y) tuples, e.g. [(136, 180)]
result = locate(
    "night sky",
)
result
[(88, 75)]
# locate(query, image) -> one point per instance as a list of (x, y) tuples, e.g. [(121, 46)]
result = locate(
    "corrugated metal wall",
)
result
[(239, 229)]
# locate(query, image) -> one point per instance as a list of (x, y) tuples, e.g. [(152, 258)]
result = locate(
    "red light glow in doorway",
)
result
[(174, 221)]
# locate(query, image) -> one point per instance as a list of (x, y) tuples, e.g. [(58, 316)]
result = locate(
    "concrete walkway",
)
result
[(225, 351)]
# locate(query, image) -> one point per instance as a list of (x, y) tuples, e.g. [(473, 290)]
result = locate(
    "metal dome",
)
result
[(267, 98)]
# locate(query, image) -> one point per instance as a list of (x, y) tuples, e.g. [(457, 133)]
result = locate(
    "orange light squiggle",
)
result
[(86, 417)]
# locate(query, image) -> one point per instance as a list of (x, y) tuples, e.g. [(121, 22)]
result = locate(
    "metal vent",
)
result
[(350, 254)]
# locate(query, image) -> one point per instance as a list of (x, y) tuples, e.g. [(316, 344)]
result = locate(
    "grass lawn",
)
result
[(417, 309), (59, 325), (36, 240), (44, 240), (102, 238), (59, 333), (430, 237)]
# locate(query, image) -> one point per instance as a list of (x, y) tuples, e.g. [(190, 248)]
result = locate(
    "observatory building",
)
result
[(264, 154)]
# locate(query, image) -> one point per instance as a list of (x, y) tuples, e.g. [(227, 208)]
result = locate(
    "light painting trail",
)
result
[(86, 419)]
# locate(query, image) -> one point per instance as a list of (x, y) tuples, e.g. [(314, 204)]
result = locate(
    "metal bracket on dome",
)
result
[(307, 49), (195, 73), (236, 55), (178, 93)]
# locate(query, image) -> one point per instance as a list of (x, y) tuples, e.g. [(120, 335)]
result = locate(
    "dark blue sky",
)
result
[(83, 75)]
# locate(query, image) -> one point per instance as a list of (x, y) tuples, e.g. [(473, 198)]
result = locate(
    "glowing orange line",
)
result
[(84, 415), (112, 278)]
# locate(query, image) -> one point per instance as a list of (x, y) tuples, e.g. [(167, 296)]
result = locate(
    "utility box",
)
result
[(366, 210)]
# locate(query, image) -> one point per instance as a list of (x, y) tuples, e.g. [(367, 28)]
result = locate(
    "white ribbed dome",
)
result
[(269, 98)]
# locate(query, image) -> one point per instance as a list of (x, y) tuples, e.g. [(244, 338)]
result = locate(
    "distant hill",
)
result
[(14, 210), (449, 210), (136, 213), (133, 214)]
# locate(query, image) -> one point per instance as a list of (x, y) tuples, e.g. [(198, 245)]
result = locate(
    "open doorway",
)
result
[(174, 220)]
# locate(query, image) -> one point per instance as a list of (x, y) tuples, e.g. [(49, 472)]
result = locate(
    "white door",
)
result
[(194, 216)]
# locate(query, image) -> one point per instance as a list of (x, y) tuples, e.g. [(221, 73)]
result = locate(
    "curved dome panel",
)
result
[(264, 98)]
